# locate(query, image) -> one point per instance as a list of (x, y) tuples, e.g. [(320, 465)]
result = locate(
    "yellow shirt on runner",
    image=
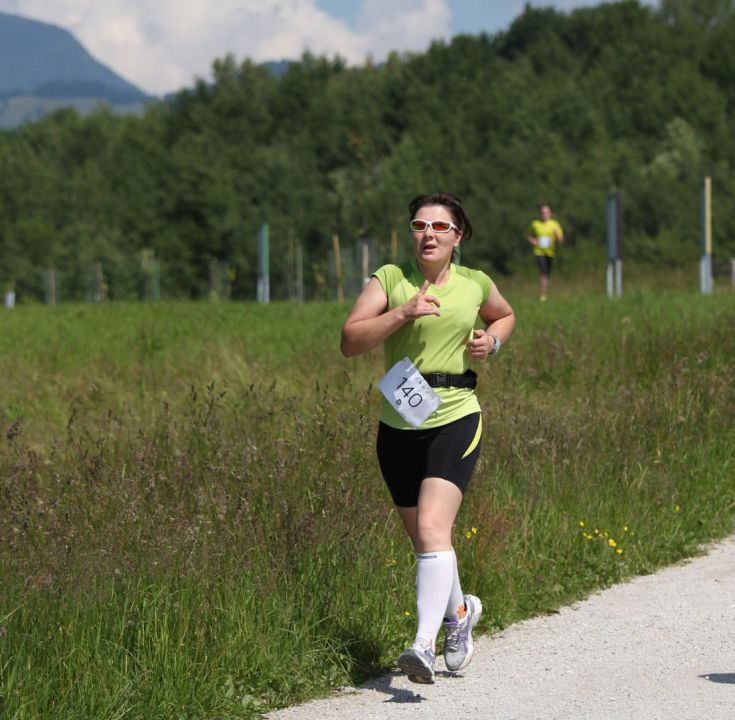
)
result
[(547, 233), (431, 343)]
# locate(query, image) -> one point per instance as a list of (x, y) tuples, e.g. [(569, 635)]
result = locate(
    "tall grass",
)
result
[(193, 522)]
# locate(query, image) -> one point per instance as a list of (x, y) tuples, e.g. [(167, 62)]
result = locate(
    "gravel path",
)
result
[(659, 647)]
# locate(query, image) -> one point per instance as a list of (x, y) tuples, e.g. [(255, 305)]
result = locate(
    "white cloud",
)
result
[(409, 25), (162, 45)]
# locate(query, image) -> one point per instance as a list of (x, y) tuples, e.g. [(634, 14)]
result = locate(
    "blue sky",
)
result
[(467, 16), (164, 45)]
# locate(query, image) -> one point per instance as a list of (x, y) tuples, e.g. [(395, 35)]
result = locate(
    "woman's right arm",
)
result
[(369, 322)]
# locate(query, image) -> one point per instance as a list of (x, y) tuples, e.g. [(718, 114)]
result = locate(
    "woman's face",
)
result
[(433, 248)]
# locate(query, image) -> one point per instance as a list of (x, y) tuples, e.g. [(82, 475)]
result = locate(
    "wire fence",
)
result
[(339, 275), (297, 276)]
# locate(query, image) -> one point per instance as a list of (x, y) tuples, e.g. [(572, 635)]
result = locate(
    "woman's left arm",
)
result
[(499, 320)]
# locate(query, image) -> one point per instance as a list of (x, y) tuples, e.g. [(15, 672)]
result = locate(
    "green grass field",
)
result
[(193, 523)]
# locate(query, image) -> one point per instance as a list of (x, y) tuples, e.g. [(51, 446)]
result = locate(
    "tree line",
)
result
[(560, 108)]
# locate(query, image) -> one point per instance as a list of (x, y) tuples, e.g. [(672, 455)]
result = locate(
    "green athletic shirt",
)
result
[(431, 343), (550, 229)]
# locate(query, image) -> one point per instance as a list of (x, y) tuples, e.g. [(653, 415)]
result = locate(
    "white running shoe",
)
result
[(458, 646), (418, 663)]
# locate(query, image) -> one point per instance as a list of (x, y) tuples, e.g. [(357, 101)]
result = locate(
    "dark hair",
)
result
[(450, 202)]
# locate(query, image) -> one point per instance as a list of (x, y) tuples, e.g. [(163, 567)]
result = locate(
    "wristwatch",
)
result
[(497, 345)]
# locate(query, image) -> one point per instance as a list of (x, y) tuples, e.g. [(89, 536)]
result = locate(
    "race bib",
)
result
[(544, 241), (408, 393)]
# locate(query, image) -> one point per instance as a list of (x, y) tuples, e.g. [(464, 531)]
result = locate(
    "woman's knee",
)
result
[(433, 533)]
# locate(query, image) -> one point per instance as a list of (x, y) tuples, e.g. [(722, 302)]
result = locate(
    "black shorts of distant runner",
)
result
[(544, 263)]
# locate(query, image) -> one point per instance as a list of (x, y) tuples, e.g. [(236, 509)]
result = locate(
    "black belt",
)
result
[(468, 379)]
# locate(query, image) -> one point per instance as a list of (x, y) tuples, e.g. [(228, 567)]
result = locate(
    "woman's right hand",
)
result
[(421, 304)]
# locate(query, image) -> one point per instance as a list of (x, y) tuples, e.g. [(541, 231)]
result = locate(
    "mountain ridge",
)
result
[(44, 67)]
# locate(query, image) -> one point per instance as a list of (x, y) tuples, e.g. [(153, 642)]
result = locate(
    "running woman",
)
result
[(440, 316), (544, 234)]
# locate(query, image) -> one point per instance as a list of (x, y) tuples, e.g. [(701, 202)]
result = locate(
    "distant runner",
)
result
[(544, 234), (433, 317)]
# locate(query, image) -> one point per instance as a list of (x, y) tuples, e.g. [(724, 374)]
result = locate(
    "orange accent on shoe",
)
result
[(461, 611)]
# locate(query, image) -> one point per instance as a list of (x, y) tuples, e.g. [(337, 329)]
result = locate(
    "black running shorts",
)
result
[(544, 263), (406, 457)]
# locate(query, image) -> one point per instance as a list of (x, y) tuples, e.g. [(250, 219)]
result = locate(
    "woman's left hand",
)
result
[(480, 345)]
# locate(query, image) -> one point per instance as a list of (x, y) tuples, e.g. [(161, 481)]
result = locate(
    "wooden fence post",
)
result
[(338, 269)]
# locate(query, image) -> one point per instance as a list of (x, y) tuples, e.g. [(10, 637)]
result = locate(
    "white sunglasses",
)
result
[(439, 226)]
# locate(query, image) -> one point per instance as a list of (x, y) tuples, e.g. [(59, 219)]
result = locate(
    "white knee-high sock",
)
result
[(434, 572), (456, 598)]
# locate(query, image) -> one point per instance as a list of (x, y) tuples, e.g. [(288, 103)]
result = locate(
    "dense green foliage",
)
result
[(560, 108), (194, 524)]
